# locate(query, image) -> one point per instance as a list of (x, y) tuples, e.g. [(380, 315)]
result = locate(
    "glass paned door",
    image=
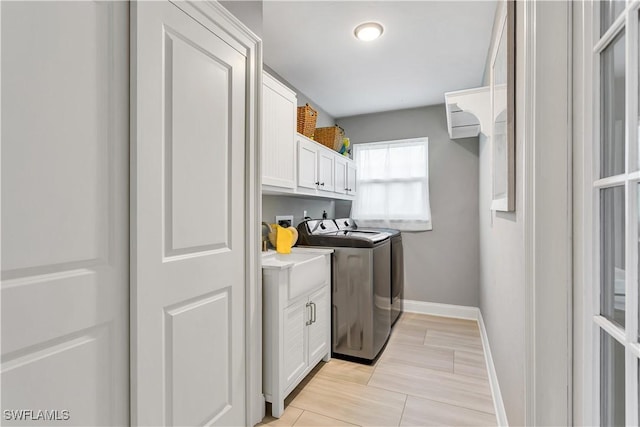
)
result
[(609, 11), (612, 254), (613, 111), (616, 210), (612, 381)]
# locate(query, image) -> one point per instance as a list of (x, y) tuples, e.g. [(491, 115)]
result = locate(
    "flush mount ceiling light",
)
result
[(368, 31)]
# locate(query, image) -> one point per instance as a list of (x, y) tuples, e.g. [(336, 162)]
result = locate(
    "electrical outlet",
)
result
[(284, 218)]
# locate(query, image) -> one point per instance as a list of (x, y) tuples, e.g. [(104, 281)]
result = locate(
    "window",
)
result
[(393, 184)]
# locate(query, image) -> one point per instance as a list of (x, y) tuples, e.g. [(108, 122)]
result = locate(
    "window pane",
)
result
[(407, 200), (612, 250), (612, 405), (612, 117), (609, 11), (372, 200)]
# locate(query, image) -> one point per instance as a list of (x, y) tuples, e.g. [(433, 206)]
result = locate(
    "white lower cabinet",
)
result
[(296, 327)]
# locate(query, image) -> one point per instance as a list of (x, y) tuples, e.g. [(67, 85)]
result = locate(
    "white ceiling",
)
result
[(428, 48)]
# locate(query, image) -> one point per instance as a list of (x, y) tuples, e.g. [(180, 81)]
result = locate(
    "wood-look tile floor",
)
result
[(432, 372)]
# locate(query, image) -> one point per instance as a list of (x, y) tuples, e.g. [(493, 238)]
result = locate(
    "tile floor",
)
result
[(432, 372)]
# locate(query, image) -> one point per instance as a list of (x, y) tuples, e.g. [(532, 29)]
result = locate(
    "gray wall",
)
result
[(250, 13), (441, 265), (289, 205), (324, 118), (502, 291), (247, 11)]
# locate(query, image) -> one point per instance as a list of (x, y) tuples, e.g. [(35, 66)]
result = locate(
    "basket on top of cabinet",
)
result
[(330, 137), (307, 117)]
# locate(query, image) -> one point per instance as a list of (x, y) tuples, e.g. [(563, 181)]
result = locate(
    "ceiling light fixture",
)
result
[(368, 31)]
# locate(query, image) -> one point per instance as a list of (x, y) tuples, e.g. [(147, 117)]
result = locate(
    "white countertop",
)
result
[(270, 261)]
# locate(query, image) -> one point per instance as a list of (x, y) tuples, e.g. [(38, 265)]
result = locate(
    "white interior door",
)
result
[(65, 257), (188, 357)]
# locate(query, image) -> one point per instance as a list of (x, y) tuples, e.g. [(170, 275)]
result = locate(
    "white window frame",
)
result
[(409, 225), (593, 322)]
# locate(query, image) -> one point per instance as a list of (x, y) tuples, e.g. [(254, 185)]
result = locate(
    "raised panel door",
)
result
[(65, 210), (188, 219)]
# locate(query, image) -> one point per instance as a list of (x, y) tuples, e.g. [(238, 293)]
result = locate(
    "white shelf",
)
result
[(468, 112)]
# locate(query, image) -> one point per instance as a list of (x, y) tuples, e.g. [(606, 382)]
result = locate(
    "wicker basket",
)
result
[(330, 137), (307, 117)]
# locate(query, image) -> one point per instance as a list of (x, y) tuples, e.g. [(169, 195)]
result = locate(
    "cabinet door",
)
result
[(295, 350), (278, 134), (340, 165), (325, 171), (351, 178), (320, 328), (307, 164)]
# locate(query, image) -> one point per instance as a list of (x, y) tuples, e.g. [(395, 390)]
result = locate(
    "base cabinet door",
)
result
[(320, 324), (295, 341)]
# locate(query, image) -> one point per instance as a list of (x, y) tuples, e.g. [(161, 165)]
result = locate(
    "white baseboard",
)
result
[(470, 313), (501, 413), (437, 309)]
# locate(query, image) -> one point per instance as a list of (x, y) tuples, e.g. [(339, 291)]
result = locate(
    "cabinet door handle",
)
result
[(322, 183), (313, 312), (317, 183), (308, 322)]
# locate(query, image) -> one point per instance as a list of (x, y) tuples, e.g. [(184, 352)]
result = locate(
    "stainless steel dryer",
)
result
[(361, 300), (397, 263)]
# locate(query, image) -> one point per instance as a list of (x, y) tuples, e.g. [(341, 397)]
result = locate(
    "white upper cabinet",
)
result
[(307, 164), (325, 170), (312, 169), (340, 168), (351, 178), (278, 134), (345, 176)]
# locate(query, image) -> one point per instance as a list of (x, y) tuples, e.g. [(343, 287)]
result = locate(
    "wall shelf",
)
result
[(468, 112)]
